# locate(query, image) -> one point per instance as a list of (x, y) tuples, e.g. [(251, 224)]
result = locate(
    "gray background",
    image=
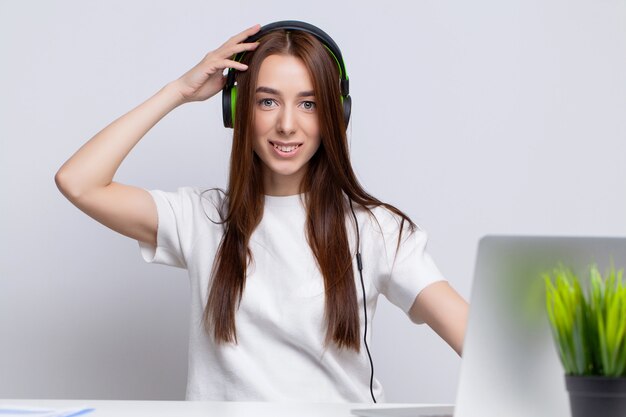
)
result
[(472, 117)]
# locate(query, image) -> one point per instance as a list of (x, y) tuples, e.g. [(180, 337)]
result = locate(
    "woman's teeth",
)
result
[(285, 148)]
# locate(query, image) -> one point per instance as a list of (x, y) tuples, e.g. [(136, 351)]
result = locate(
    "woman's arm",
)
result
[(86, 178), (444, 310), (96, 162)]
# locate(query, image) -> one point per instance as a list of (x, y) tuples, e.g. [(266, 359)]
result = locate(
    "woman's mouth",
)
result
[(285, 151)]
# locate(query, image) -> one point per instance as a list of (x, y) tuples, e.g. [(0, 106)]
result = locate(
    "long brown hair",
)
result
[(327, 182)]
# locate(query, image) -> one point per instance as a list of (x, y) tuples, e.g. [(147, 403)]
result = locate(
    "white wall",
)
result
[(472, 117)]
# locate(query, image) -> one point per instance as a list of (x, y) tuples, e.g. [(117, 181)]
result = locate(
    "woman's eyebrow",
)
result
[(269, 90)]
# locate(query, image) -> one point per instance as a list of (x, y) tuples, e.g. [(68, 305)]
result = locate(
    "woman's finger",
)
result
[(245, 34), (229, 63), (240, 47), (230, 51), (227, 51)]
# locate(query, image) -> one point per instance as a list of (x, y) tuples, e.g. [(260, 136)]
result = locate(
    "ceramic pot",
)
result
[(596, 396)]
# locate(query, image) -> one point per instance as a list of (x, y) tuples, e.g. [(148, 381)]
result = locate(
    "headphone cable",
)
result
[(360, 265)]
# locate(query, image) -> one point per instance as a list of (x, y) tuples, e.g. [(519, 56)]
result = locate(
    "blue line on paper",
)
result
[(81, 412)]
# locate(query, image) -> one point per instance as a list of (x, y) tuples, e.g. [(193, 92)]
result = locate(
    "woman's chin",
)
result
[(284, 169)]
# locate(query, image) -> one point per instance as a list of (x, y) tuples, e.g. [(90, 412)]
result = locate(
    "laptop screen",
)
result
[(510, 362)]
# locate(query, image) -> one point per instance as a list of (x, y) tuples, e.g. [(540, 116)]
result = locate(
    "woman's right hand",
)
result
[(206, 79)]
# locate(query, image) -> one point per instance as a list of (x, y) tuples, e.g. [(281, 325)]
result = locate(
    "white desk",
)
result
[(105, 408)]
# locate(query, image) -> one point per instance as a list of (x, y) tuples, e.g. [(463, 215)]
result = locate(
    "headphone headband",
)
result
[(230, 90)]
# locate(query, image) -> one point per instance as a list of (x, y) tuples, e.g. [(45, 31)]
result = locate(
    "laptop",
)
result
[(510, 364)]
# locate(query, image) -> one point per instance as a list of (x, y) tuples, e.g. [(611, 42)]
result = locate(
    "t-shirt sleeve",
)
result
[(175, 231), (410, 269)]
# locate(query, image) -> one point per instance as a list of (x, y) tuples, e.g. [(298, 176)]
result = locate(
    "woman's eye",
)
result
[(266, 102), (309, 105)]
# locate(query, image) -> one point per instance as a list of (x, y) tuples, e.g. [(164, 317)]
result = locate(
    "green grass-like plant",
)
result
[(588, 326)]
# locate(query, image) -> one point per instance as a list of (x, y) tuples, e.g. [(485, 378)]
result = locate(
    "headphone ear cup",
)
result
[(347, 108), (229, 101), (233, 104), (226, 115)]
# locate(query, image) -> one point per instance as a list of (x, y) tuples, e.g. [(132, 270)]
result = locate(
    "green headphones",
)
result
[(229, 92)]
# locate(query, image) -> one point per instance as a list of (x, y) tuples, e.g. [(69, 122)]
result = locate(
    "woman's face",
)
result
[(286, 125)]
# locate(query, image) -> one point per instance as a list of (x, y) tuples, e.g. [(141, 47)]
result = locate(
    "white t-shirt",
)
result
[(280, 328)]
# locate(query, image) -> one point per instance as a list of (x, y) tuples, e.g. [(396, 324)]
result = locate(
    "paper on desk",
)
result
[(42, 412)]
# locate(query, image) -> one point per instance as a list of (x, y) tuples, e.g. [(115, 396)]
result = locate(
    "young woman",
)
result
[(287, 264)]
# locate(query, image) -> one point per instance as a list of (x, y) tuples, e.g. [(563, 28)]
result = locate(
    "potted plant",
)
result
[(589, 328)]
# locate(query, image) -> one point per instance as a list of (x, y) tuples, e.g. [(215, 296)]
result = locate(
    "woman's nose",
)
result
[(286, 123)]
